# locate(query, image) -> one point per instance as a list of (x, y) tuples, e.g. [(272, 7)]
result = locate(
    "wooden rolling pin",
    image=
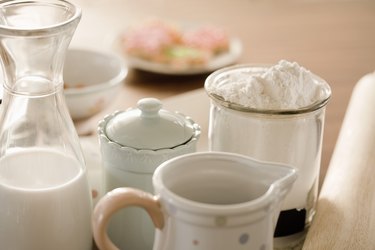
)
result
[(345, 217)]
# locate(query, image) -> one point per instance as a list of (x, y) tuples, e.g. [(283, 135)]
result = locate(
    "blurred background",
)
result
[(335, 39)]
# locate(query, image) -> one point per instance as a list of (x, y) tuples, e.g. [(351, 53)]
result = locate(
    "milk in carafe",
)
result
[(43, 188), (45, 200)]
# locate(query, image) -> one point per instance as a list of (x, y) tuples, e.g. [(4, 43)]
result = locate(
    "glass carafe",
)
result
[(45, 200)]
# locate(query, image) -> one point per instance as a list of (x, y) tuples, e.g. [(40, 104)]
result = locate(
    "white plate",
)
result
[(219, 61)]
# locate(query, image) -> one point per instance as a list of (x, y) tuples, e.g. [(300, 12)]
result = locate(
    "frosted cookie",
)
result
[(161, 42), (151, 40), (183, 56), (209, 38)]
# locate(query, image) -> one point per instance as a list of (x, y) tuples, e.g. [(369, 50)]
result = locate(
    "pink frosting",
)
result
[(207, 37), (151, 38)]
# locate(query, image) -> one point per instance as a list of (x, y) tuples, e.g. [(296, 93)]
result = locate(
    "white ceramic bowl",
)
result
[(91, 81)]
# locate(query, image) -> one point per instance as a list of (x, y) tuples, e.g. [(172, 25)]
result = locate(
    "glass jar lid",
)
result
[(149, 127)]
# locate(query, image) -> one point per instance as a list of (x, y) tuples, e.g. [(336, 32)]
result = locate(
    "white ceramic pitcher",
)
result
[(205, 201)]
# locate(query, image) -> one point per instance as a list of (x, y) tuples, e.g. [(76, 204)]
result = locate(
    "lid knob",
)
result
[(149, 106)]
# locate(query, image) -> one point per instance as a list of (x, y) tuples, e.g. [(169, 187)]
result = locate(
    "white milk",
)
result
[(44, 202)]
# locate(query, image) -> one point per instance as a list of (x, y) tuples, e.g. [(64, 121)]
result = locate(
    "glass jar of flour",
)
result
[(273, 113)]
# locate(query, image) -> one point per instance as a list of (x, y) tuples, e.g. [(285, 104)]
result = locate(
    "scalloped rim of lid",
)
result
[(150, 127)]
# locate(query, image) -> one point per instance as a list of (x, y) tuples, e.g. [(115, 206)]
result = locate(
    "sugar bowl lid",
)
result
[(150, 127)]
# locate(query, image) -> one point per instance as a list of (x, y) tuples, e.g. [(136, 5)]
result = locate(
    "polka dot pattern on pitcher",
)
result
[(244, 238), (263, 247), (195, 242), (220, 221), (240, 240)]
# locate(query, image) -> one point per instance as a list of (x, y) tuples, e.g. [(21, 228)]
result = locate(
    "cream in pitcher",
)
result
[(207, 200)]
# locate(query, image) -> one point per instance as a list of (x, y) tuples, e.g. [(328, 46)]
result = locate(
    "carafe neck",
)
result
[(33, 42)]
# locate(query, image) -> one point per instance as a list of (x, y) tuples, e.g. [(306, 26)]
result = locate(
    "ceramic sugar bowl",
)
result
[(133, 144)]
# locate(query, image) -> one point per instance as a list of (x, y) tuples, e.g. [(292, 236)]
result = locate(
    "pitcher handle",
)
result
[(115, 200)]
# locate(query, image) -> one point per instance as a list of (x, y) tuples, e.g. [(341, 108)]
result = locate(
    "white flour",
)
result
[(283, 86), (295, 140)]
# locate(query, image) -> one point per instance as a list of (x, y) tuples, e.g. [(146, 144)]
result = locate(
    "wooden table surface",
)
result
[(333, 39)]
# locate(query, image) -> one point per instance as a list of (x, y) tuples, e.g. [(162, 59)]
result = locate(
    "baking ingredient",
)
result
[(41, 202), (293, 138), (285, 85)]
